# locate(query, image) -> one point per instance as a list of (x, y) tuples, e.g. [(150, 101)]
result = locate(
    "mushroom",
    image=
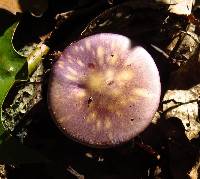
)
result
[(103, 91)]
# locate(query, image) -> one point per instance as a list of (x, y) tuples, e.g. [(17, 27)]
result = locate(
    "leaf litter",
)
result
[(174, 133)]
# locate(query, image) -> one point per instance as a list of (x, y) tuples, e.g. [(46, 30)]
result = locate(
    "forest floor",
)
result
[(168, 148)]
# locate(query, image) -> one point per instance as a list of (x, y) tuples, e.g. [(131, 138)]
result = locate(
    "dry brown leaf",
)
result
[(12, 6), (180, 7), (182, 98), (183, 104), (194, 172), (36, 8)]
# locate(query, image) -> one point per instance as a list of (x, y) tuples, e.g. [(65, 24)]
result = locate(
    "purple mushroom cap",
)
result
[(103, 91)]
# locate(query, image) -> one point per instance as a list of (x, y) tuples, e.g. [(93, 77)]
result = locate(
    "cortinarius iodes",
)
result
[(103, 91)]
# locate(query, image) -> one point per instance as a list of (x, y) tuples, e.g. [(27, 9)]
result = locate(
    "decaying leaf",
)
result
[(180, 7), (36, 7), (182, 98), (183, 104), (195, 171), (3, 173), (10, 5), (183, 45)]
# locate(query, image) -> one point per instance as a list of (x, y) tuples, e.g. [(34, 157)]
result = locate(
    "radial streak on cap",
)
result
[(100, 54)]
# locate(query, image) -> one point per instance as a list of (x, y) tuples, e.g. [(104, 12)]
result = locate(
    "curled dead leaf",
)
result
[(180, 7), (12, 6), (36, 7), (182, 98), (194, 172)]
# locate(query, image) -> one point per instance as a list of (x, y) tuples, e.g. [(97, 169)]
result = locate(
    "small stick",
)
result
[(75, 173)]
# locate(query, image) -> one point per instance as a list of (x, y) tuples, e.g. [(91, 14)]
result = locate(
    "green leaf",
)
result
[(14, 67), (10, 65)]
